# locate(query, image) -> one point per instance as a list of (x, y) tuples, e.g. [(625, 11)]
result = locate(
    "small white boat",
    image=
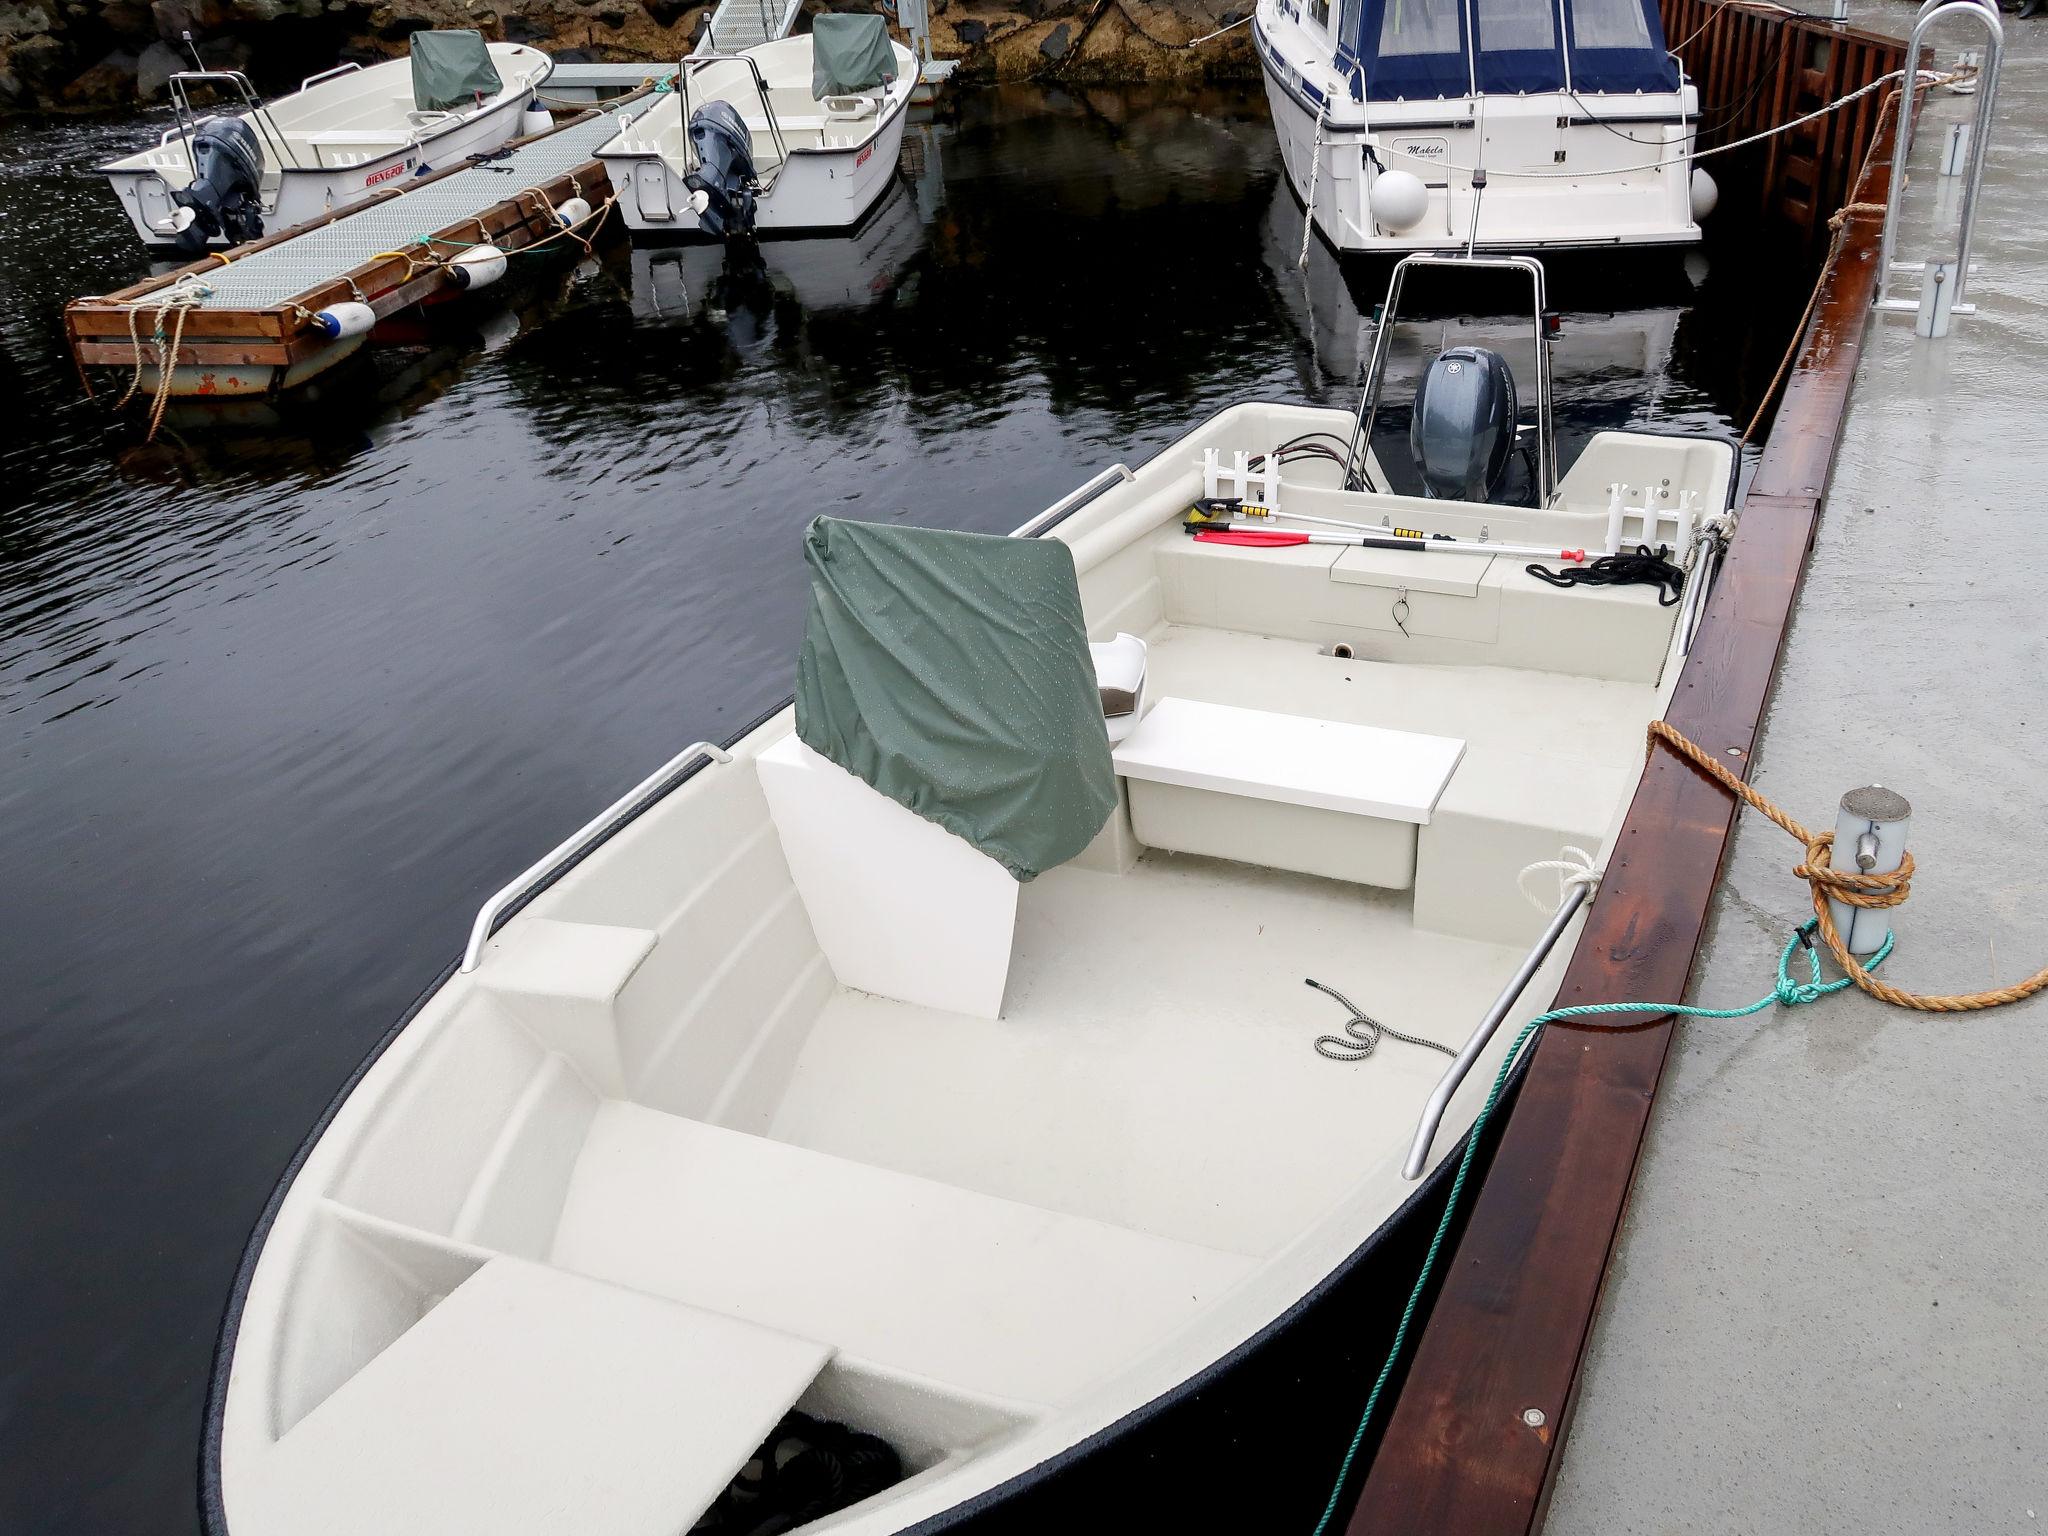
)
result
[(341, 136), (774, 1092), (1516, 125), (767, 142)]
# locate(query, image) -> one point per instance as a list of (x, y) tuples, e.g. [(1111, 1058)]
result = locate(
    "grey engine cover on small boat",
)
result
[(725, 169), (1463, 430)]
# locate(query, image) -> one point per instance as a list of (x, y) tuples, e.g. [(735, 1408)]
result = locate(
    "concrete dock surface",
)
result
[(1828, 1308)]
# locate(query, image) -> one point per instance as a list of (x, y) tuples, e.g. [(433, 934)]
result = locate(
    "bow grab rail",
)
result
[(1078, 497), (1440, 1101), (593, 832)]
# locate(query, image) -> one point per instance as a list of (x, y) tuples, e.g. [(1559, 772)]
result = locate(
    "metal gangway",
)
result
[(741, 24)]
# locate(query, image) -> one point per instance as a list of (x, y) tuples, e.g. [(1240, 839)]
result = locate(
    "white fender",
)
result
[(339, 320), (573, 212), (478, 267)]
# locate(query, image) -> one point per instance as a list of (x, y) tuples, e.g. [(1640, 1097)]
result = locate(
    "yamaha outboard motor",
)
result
[(1463, 431), (226, 196), (722, 187)]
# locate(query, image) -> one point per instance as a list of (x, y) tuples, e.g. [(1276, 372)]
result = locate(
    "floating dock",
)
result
[(249, 321)]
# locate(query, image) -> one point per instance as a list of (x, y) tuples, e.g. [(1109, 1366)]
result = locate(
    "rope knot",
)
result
[(1792, 993), (1874, 892)]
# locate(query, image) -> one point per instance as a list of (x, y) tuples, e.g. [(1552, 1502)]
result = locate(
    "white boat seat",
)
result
[(900, 906), (964, 1289), (1120, 678), (1321, 797), (525, 1398)]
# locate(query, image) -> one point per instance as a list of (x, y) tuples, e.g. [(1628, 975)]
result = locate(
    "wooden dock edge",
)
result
[(1511, 1325)]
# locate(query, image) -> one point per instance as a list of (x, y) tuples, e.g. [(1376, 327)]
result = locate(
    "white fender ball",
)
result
[(535, 120), (339, 320), (1398, 200), (477, 267), (1705, 195)]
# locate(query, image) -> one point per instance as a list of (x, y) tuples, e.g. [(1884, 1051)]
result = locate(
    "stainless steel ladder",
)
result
[(1944, 282)]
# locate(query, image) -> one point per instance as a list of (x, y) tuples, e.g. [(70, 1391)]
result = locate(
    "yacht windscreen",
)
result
[(1412, 50), (1618, 45), (1518, 45)]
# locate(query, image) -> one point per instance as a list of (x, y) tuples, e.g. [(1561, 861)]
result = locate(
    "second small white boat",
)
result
[(794, 137), (337, 139)]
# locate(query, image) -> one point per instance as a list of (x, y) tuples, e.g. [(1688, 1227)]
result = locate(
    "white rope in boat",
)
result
[(1575, 868)]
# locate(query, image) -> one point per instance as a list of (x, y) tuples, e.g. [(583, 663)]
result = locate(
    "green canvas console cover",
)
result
[(951, 672), (850, 54), (451, 69)]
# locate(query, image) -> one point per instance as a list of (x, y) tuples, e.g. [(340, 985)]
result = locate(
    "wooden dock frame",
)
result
[(1510, 1326), (240, 352)]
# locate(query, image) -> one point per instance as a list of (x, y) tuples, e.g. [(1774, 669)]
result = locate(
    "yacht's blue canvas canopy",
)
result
[(1419, 49)]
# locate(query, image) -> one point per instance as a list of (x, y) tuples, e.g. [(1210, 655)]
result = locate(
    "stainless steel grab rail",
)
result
[(1440, 1101), (1932, 14), (648, 790), (1360, 452), (328, 74), (188, 118), (697, 61), (1079, 497)]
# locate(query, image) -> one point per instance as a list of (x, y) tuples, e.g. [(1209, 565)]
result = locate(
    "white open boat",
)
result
[(764, 1093), (786, 158), (341, 136), (1389, 111)]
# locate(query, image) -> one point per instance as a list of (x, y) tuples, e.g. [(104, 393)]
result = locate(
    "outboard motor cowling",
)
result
[(1463, 431), (722, 187), (226, 195)]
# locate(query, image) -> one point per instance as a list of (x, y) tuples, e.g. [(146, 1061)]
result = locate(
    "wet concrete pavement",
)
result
[(1826, 1311)]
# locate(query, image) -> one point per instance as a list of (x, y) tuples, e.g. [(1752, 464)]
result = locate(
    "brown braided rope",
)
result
[(1875, 892)]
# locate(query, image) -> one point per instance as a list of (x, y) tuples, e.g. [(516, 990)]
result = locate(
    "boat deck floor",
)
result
[(1154, 1066)]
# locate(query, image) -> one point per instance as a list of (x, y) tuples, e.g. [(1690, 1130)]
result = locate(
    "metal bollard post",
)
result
[(1870, 837)]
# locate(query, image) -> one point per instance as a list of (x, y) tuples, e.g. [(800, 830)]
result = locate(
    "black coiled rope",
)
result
[(1645, 568)]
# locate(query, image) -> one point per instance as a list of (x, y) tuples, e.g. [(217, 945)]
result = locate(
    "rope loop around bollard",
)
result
[(1853, 888)]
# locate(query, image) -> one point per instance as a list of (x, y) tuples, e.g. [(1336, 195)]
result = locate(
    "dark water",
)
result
[(282, 698)]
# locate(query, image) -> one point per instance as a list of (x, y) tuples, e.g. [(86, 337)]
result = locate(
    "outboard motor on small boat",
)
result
[(722, 187), (1463, 431), (226, 196)]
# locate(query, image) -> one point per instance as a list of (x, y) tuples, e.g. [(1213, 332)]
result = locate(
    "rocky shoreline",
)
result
[(71, 55)]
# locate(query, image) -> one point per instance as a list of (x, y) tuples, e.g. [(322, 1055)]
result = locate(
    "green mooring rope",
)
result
[(1787, 991)]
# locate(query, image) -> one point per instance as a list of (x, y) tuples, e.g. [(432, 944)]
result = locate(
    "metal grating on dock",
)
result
[(606, 77), (278, 273)]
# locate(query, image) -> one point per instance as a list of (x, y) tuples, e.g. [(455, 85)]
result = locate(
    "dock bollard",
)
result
[(1870, 838)]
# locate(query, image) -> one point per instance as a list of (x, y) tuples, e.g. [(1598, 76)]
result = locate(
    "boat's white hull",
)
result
[(1621, 197), (819, 191), (305, 192)]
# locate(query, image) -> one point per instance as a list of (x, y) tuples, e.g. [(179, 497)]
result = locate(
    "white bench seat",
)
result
[(524, 1401), (972, 1292), (1321, 797)]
